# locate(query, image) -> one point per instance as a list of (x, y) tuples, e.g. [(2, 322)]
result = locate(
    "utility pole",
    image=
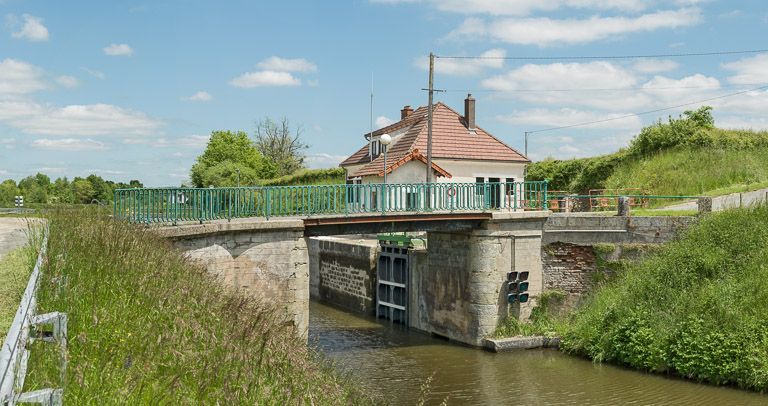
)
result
[(526, 143), (431, 91)]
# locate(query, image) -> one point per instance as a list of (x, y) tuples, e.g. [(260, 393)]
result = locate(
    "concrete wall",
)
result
[(592, 229), (458, 288), (342, 272), (267, 259)]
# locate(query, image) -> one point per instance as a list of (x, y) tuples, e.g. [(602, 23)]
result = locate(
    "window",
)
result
[(411, 200), (480, 186), (375, 148), (510, 186)]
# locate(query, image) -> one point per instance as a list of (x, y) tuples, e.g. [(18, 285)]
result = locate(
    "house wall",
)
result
[(465, 171)]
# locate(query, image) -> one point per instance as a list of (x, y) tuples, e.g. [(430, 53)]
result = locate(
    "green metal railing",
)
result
[(163, 205)]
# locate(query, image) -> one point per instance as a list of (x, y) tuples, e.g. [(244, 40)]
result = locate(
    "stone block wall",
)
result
[(343, 272), (271, 265)]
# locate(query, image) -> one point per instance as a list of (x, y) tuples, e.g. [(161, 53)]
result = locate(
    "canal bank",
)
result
[(393, 362)]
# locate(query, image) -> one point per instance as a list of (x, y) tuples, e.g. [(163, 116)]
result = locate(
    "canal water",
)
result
[(394, 362)]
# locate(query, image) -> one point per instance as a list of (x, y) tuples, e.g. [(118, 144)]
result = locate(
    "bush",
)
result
[(309, 177), (697, 308)]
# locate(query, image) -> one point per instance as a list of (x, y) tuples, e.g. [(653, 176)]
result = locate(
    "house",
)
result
[(462, 152)]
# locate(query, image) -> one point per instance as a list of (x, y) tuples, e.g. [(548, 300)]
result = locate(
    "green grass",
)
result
[(330, 176), (15, 268), (146, 327), (697, 308), (544, 320), (694, 172)]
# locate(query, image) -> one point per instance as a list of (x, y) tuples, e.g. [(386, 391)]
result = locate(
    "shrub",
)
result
[(698, 307)]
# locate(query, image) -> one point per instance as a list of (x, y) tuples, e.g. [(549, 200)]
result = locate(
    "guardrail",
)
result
[(153, 205), (595, 202), (26, 328)]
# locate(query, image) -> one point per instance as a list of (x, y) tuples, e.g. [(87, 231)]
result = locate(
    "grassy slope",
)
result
[(147, 327), (14, 274), (698, 308), (675, 158), (693, 171), (328, 176)]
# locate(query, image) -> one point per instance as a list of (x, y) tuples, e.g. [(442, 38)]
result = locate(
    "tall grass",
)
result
[(692, 171), (15, 269), (147, 327), (698, 308), (330, 176)]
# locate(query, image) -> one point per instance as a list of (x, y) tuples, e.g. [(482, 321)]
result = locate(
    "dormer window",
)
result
[(375, 148)]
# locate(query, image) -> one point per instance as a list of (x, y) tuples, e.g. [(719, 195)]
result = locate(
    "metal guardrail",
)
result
[(161, 205), (598, 202), (26, 327)]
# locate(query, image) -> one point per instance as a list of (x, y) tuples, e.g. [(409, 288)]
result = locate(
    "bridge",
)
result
[(256, 239)]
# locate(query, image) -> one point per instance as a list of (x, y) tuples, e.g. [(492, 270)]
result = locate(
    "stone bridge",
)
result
[(462, 288)]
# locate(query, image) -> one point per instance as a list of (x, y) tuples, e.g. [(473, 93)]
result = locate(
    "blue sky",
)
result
[(130, 90)]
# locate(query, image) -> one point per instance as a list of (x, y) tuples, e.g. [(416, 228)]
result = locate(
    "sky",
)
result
[(132, 89)]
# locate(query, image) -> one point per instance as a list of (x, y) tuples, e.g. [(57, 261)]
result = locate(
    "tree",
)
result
[(279, 145), (226, 153), (8, 191), (35, 188), (83, 190)]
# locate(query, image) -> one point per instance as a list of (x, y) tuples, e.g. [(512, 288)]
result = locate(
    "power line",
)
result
[(649, 111), (605, 89), (539, 58)]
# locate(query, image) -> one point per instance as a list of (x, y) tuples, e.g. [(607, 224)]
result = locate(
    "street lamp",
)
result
[(385, 140)]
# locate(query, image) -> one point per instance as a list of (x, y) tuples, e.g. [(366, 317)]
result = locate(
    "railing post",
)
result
[(546, 201), (267, 206)]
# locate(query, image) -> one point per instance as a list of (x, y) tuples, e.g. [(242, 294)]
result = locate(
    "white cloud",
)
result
[(48, 169), (105, 171), (200, 96), (382, 122), (118, 50), (464, 66), (323, 160), (265, 78), (546, 31), (186, 141), (69, 144), (654, 65), (19, 78), (89, 119), (749, 70), (736, 122), (278, 64), (32, 29), (562, 76), (95, 73), (566, 116), (67, 81), (526, 7)]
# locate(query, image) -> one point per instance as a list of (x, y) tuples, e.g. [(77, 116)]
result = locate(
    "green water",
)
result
[(394, 362)]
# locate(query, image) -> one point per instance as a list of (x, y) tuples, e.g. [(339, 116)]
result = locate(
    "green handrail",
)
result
[(160, 205)]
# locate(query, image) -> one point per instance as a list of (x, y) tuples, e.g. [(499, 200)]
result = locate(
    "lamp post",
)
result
[(385, 140)]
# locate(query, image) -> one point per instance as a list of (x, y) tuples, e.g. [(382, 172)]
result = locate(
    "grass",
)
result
[(694, 172), (15, 269), (698, 307), (329, 176), (544, 319), (145, 327)]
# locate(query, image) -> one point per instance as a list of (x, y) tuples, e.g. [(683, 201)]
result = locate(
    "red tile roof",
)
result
[(450, 140)]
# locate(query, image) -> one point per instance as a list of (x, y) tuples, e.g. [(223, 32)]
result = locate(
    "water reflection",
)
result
[(393, 362)]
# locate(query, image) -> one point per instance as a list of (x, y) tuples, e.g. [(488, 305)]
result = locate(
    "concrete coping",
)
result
[(520, 343), (224, 226), (520, 215)]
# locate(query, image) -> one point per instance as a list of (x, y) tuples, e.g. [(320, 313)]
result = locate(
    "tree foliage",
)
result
[(280, 145), (227, 156), (39, 189)]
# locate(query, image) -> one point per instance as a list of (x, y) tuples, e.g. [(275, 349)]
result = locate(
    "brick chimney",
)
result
[(469, 111), (405, 112)]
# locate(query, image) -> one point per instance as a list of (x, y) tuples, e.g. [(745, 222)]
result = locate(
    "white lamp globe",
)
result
[(385, 139)]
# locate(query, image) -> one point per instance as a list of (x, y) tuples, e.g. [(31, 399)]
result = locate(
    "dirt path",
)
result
[(13, 234)]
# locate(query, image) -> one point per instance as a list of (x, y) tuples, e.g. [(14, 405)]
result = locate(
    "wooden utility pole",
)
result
[(431, 91)]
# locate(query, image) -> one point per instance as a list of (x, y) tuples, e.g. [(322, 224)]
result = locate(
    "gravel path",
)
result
[(13, 234)]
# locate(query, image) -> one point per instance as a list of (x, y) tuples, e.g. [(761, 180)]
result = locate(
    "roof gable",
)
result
[(450, 140)]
